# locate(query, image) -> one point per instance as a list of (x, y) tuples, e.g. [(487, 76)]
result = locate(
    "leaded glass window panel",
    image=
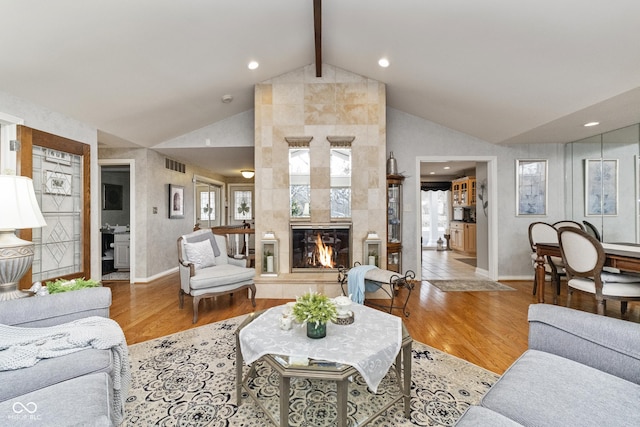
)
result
[(299, 182), (57, 180), (340, 164), (242, 205), (208, 205)]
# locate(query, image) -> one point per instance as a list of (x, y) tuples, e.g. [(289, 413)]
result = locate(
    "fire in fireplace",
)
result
[(320, 247)]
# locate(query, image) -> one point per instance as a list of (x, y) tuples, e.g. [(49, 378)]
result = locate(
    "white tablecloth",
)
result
[(370, 344)]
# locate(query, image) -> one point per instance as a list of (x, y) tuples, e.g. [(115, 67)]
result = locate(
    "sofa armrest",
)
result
[(607, 344), (57, 308), (240, 262)]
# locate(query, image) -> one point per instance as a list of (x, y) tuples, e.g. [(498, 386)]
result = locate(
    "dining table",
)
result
[(622, 256)]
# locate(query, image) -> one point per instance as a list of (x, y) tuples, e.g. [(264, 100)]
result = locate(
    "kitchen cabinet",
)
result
[(470, 238), (121, 251), (463, 191), (463, 237), (457, 236)]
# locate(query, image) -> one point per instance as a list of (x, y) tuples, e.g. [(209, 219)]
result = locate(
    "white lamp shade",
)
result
[(20, 208)]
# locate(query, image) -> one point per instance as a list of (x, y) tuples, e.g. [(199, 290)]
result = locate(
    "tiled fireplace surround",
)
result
[(298, 104)]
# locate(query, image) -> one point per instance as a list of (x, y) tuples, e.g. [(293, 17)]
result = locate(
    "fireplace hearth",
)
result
[(316, 247)]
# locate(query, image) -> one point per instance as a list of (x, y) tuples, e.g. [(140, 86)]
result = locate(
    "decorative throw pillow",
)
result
[(200, 254)]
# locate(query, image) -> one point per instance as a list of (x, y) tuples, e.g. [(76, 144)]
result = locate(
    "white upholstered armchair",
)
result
[(206, 271)]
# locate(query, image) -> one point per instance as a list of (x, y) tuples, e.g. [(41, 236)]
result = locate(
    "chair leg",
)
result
[(556, 281), (535, 281), (181, 298), (623, 307), (196, 302), (569, 294), (253, 294), (602, 305)]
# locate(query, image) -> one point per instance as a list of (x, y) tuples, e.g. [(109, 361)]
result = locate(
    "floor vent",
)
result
[(174, 165)]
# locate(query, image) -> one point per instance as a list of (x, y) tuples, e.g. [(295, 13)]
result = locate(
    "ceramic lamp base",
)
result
[(16, 257)]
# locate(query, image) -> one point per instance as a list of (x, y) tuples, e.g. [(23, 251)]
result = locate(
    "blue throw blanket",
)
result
[(356, 285)]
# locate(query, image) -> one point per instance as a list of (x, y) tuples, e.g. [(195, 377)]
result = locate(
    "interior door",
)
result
[(208, 200)]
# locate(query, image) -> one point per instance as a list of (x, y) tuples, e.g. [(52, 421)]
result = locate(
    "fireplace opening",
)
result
[(320, 247)]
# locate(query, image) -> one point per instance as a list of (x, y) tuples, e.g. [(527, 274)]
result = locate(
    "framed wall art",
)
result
[(531, 187), (112, 197), (176, 201), (601, 187)]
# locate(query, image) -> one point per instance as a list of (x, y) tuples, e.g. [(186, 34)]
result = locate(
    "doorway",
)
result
[(484, 168), (117, 219)]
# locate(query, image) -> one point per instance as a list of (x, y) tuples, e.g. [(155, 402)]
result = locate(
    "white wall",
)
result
[(155, 234), (235, 131), (410, 137)]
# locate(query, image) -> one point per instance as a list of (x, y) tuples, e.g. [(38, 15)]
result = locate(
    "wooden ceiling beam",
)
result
[(317, 26)]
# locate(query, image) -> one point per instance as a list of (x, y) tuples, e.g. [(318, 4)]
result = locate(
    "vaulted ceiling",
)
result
[(506, 71)]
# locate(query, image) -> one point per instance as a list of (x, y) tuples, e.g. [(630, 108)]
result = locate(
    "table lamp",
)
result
[(20, 210)]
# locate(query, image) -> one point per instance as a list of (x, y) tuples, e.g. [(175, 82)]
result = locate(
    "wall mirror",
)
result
[(602, 182)]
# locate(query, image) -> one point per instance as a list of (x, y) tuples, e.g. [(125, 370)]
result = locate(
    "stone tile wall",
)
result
[(298, 103)]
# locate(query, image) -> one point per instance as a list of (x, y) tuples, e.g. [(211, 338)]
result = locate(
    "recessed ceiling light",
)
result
[(227, 98), (591, 124), (432, 173), (383, 62), (447, 167), (253, 65)]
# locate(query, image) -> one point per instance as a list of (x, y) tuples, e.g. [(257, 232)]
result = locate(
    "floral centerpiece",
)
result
[(315, 310)]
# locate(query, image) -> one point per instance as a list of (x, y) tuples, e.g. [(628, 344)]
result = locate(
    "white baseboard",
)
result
[(156, 276)]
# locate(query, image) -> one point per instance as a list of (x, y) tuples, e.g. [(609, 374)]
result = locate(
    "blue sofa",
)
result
[(71, 390), (581, 369)]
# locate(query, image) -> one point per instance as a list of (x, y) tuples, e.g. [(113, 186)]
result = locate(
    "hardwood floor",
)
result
[(488, 329)]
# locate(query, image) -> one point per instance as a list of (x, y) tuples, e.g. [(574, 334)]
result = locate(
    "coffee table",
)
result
[(287, 366)]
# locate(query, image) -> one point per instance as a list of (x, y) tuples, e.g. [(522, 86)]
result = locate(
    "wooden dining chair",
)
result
[(584, 258), (545, 233), (592, 230), (568, 223)]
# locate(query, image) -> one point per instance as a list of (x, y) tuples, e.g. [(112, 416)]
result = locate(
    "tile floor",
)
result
[(444, 265)]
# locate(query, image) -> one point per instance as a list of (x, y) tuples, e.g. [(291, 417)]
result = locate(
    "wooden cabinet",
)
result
[(394, 223), (456, 240), (470, 238), (463, 191), (463, 237), (121, 251), (455, 193)]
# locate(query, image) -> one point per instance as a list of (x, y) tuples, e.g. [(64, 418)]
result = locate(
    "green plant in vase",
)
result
[(315, 310)]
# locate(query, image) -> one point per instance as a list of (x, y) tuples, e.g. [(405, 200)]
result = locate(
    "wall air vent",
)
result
[(174, 165)]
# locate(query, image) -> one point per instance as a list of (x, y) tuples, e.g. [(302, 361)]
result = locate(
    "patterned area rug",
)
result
[(469, 285), (188, 379)]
